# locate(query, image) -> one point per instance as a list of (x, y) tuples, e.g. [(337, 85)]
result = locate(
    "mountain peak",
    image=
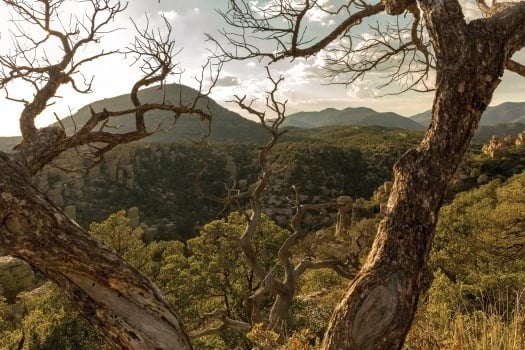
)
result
[(226, 125)]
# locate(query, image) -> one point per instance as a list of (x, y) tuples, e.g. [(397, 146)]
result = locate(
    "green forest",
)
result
[(473, 296)]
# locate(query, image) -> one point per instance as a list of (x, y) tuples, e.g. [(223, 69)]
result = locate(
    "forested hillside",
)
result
[(168, 221), (474, 281), (161, 178)]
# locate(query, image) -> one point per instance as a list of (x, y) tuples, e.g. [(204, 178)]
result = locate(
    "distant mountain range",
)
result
[(360, 116), (505, 113), (227, 126)]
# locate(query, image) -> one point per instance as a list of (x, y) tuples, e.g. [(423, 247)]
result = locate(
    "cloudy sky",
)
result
[(304, 86)]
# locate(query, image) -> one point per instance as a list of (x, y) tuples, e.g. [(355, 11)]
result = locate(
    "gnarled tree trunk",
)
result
[(378, 308), (122, 304)]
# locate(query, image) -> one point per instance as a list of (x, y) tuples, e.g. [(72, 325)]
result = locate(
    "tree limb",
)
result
[(289, 41), (516, 67), (226, 323), (117, 300), (153, 50)]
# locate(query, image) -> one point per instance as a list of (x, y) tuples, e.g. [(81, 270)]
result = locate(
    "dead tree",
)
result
[(270, 284), (113, 296), (468, 59)]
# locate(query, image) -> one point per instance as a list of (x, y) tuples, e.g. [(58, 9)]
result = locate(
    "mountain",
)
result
[(226, 125), (360, 116), (485, 132), (7, 143), (422, 118), (508, 112)]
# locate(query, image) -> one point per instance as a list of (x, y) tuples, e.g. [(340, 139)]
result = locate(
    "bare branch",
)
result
[(266, 167), (29, 60), (516, 67), (153, 50), (253, 25), (397, 50), (270, 281), (225, 323), (496, 7), (334, 265)]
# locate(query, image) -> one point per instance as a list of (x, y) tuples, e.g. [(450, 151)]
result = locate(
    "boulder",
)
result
[(71, 212), (133, 216), (15, 276)]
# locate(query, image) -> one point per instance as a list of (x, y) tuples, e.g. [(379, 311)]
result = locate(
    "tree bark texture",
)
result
[(379, 306), (122, 304)]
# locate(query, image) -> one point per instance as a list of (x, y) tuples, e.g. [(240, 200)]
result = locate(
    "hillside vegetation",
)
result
[(160, 178), (155, 203), (473, 300)]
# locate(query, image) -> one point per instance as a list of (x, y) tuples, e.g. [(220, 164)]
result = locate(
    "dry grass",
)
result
[(499, 326)]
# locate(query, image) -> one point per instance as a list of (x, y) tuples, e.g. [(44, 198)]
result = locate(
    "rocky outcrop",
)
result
[(344, 215), (497, 146), (520, 139), (71, 212), (133, 216), (160, 180), (15, 276)]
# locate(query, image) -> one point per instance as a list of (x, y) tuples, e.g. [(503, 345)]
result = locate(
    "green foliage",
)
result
[(302, 340), (45, 319), (444, 321), (312, 311), (340, 170), (476, 298), (265, 339), (219, 277), (115, 232), (480, 239), (10, 334), (472, 303)]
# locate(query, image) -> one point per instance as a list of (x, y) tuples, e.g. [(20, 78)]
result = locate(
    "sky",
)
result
[(304, 85)]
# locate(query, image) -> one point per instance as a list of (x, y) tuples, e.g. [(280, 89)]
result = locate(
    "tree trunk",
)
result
[(114, 297), (378, 309)]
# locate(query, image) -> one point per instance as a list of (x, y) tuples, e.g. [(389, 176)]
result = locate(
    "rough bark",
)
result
[(378, 308), (122, 304)]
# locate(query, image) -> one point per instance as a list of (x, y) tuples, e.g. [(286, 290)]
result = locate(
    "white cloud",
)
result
[(227, 81), (170, 15), (319, 13)]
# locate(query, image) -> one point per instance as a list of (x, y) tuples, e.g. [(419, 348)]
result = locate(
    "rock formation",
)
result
[(15, 276), (344, 215)]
